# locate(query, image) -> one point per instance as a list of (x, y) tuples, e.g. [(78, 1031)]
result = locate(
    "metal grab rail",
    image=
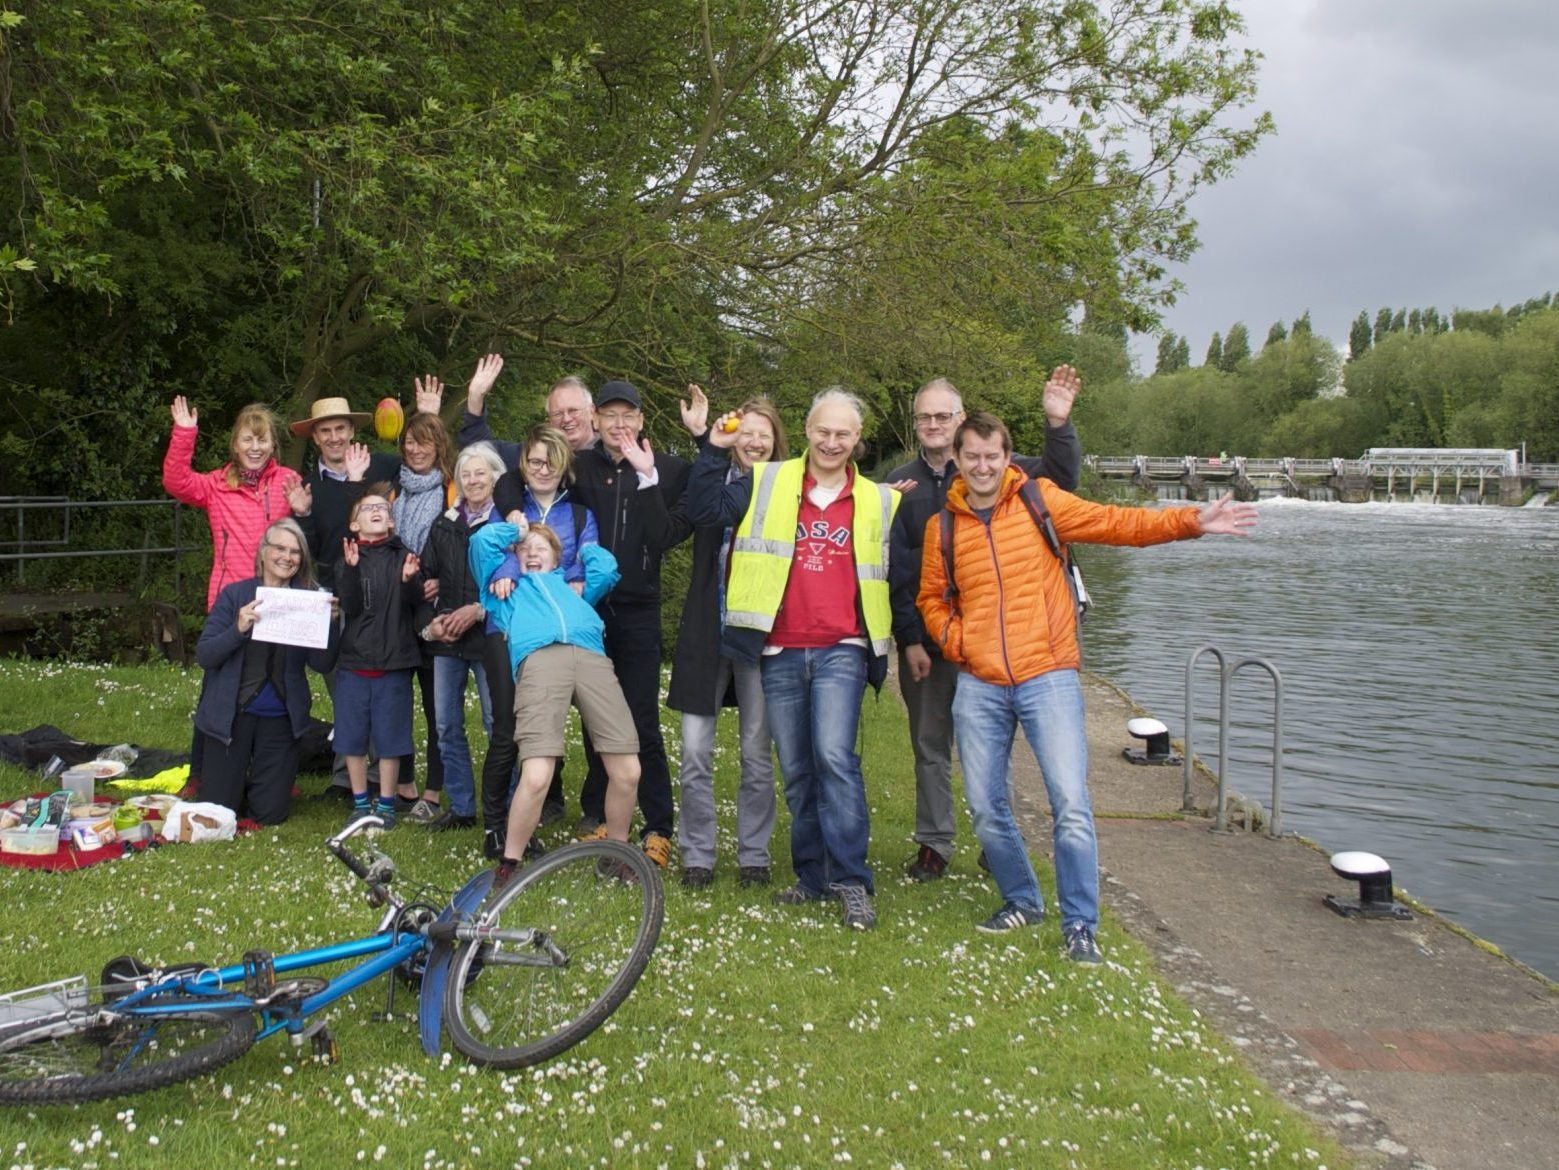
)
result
[(1226, 671)]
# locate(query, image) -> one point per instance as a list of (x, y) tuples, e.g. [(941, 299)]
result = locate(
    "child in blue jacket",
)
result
[(558, 654)]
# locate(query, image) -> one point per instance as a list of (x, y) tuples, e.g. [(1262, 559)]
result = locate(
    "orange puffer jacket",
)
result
[(1013, 619)]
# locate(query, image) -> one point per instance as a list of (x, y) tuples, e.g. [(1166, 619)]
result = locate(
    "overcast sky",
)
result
[(1416, 163)]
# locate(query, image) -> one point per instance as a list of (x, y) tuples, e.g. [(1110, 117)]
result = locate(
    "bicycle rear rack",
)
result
[(1227, 670)]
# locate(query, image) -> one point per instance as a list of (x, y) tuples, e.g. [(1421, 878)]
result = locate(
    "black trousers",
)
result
[(253, 775), (502, 752), (633, 645)]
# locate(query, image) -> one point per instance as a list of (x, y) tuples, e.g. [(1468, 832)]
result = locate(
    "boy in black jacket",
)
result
[(380, 586)]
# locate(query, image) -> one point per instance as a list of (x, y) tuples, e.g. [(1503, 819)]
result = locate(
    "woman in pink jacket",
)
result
[(242, 498)]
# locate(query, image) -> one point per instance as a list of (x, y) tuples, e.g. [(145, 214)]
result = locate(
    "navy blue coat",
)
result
[(221, 652)]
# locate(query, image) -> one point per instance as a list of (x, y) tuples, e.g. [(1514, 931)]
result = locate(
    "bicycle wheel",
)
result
[(596, 910), (97, 1052)]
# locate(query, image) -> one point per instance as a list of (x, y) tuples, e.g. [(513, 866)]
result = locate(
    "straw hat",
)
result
[(324, 408)]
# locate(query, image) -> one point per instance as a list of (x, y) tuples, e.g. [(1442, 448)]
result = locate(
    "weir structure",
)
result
[(1391, 474)]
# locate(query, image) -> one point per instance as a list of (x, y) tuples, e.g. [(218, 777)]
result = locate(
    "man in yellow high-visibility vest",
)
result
[(807, 597)]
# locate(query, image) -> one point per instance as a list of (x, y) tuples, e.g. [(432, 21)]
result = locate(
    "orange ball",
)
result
[(389, 419), (731, 425)]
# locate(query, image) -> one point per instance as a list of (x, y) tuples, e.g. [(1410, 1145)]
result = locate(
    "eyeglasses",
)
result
[(539, 466), (281, 550), (569, 412), (373, 507), (614, 418), (941, 418)]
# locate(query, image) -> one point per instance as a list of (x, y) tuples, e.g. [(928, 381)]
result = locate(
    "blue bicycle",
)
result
[(517, 976)]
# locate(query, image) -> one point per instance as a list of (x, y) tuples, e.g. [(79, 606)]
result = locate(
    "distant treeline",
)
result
[(1412, 378)]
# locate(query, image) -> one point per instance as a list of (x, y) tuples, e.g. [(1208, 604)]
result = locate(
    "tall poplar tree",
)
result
[(1359, 336)]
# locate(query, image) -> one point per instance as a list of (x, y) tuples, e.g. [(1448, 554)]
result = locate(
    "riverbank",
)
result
[(1414, 1043)]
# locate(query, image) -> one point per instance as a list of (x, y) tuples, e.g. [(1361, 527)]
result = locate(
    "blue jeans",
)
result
[(1050, 708), (449, 703), (814, 703)]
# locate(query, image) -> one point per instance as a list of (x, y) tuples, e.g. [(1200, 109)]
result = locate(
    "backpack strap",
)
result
[(1034, 501), (945, 520)]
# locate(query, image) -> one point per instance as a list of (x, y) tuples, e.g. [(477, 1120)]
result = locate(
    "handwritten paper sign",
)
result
[(293, 617)]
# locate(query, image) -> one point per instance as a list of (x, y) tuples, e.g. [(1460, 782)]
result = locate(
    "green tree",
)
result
[(1359, 336), (1236, 348), (1214, 358), (1168, 354), (1277, 334), (1301, 326), (1382, 325), (279, 203)]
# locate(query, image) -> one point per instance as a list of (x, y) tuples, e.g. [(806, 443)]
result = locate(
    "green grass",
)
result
[(760, 1036)]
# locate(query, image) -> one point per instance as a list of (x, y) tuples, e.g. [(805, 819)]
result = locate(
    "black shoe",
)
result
[(696, 877), (534, 849), (754, 875), (552, 812), (983, 862), (448, 819), (928, 865), (492, 844)]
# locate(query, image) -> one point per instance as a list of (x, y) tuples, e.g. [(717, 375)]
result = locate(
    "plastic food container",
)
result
[(39, 842), (81, 783)]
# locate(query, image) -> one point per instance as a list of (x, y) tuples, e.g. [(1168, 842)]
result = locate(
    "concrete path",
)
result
[(1420, 1047)]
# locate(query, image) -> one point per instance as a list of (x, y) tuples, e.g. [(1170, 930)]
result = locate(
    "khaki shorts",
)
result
[(549, 680)]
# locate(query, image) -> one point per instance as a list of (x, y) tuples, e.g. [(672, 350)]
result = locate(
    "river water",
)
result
[(1420, 664)]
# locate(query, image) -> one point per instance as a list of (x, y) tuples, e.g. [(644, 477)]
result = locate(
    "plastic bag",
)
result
[(196, 821)]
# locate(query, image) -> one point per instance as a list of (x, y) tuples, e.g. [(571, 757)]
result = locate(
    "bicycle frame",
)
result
[(220, 989)]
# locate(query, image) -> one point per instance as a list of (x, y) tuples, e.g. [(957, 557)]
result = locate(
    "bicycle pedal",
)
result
[(322, 1041)]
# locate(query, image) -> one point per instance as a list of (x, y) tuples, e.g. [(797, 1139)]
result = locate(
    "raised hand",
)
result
[(300, 498), (409, 567), (1060, 392), (904, 486), (639, 455), (184, 415), (430, 394), (695, 413), (349, 551), (488, 367), (723, 433), (357, 460), (1225, 517), (501, 588)]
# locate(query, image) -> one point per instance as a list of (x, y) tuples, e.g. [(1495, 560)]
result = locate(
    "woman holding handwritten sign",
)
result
[(254, 702)]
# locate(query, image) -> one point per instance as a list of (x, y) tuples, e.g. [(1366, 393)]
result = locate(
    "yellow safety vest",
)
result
[(765, 546)]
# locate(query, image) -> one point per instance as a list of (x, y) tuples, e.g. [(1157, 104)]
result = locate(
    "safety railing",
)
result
[(33, 538), (1226, 672)]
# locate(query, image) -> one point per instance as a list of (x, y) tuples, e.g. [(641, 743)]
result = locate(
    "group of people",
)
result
[(534, 566)]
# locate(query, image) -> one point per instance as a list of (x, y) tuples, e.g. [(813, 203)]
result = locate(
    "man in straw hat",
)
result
[(345, 467)]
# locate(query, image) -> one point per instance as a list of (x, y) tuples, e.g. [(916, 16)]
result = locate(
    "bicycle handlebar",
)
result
[(337, 844)]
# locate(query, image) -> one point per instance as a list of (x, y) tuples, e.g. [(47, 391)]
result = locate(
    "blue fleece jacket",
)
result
[(543, 609)]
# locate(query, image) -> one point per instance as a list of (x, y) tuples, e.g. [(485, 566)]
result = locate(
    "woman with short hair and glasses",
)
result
[(254, 699)]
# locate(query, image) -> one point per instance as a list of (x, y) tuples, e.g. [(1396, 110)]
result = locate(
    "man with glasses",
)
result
[(569, 408), (636, 496), (925, 680)]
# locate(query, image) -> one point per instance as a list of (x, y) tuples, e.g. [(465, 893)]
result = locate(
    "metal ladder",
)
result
[(1227, 670)]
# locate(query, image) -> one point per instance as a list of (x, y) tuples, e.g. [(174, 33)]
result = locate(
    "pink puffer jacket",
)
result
[(239, 515)]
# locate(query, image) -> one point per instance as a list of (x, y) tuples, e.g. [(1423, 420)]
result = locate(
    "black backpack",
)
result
[(1034, 501)]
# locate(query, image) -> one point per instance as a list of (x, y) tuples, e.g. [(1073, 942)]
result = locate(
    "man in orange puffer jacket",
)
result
[(1011, 626)]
